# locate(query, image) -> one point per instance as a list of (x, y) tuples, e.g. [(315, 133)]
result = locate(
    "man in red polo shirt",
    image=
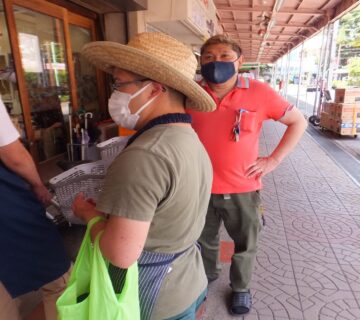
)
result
[(231, 136)]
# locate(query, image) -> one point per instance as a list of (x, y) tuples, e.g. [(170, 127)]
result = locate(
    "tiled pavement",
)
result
[(308, 263)]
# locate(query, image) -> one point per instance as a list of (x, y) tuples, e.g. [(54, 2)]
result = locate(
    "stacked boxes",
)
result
[(351, 95), (342, 118)]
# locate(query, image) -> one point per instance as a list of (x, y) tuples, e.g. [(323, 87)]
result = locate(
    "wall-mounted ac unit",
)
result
[(186, 20)]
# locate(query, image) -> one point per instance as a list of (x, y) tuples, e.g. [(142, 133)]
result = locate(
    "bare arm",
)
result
[(122, 240), (296, 125), (18, 159)]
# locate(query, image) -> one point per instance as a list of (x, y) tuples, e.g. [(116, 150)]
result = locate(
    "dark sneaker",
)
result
[(212, 277), (241, 303)]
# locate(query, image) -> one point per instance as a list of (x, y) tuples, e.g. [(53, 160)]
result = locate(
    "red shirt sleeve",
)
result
[(273, 105)]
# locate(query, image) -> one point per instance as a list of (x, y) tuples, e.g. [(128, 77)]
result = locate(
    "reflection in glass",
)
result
[(8, 87), (43, 56), (85, 73)]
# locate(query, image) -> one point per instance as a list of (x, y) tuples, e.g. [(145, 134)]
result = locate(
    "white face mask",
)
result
[(119, 108)]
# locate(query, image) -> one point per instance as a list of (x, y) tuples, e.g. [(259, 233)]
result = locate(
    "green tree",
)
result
[(354, 71), (348, 39)]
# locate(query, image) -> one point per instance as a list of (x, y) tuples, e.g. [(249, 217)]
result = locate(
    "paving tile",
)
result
[(274, 226), (328, 304), (343, 184), (271, 145), (272, 302), (320, 275), (289, 182), (323, 202), (351, 202), (349, 261), (269, 192), (357, 296), (356, 219), (352, 274), (303, 227), (273, 244), (296, 206), (347, 254), (340, 229), (284, 165), (224, 236), (315, 184), (302, 163), (317, 252), (268, 180), (332, 172), (286, 194), (276, 271), (309, 171), (289, 172)]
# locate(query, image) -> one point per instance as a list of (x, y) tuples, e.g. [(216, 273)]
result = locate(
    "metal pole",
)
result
[(324, 68), (273, 75), (333, 61), (300, 71), (318, 72), (287, 74), (329, 73)]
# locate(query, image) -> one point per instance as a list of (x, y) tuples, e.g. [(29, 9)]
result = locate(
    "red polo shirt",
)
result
[(230, 159)]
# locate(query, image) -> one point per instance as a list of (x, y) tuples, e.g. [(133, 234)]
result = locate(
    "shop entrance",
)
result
[(53, 79)]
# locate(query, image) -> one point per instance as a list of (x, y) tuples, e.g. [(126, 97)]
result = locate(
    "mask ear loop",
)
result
[(140, 91), (147, 103)]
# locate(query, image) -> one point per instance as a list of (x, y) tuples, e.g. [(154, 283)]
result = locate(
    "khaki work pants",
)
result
[(241, 216), (9, 307)]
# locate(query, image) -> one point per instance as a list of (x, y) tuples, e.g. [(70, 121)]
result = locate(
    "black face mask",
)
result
[(218, 71)]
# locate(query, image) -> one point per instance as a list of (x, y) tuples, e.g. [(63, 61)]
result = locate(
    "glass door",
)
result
[(54, 78), (43, 57), (85, 73), (9, 92)]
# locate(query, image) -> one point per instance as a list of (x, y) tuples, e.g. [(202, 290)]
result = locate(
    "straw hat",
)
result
[(155, 56)]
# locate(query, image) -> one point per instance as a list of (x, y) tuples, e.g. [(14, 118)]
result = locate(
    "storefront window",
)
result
[(8, 86), (43, 56), (85, 73)]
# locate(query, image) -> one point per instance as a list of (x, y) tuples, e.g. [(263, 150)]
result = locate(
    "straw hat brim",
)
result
[(106, 55)]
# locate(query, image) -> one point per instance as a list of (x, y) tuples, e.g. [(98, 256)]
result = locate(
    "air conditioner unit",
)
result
[(185, 20)]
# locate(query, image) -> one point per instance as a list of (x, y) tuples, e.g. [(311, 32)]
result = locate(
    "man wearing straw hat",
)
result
[(157, 190)]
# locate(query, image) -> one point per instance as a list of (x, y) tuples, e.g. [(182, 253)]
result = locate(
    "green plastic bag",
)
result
[(90, 295)]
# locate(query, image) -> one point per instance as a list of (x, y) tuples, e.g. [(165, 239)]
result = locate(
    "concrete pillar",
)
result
[(115, 27)]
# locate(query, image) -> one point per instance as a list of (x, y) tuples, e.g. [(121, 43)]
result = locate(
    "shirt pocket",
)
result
[(248, 121)]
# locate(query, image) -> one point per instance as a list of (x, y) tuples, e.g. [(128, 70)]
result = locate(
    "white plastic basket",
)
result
[(109, 149), (87, 178)]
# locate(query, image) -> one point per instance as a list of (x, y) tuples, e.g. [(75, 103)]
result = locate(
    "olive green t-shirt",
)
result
[(165, 177)]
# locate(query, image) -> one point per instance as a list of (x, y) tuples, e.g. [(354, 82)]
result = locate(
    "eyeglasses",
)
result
[(119, 85)]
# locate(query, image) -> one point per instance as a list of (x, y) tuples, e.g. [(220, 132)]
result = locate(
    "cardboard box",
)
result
[(346, 128), (346, 131), (329, 107), (348, 112), (325, 120), (350, 95)]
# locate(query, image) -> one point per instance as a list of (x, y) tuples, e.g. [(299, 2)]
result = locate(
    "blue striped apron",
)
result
[(153, 267)]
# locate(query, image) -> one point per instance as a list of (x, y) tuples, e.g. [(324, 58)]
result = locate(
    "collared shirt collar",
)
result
[(243, 82)]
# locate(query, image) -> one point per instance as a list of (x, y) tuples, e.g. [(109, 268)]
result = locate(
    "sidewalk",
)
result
[(308, 262)]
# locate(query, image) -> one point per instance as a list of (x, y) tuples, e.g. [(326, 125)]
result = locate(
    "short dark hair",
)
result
[(221, 39)]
